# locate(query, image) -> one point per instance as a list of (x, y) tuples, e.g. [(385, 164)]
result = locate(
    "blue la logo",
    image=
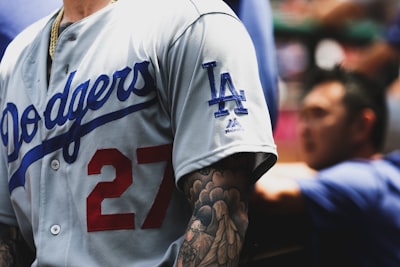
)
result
[(222, 98)]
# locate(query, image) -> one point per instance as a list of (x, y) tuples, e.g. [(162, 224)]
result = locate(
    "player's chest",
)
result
[(76, 103)]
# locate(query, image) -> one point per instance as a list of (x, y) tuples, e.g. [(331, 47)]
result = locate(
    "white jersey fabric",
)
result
[(140, 92)]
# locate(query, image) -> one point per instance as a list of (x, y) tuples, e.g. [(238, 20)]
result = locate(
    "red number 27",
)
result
[(96, 221)]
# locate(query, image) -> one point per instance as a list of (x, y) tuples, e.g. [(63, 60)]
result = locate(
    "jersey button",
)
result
[(55, 164), (55, 229)]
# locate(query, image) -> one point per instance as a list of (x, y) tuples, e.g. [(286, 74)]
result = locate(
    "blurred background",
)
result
[(322, 33), (310, 34), (307, 34)]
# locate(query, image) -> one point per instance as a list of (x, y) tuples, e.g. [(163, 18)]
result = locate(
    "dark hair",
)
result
[(360, 92)]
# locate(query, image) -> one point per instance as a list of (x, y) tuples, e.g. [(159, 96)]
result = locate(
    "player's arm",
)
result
[(13, 249), (8, 245), (278, 195), (335, 13), (375, 58), (219, 197)]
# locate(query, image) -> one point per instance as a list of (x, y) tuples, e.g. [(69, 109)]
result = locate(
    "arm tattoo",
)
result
[(13, 249), (216, 231)]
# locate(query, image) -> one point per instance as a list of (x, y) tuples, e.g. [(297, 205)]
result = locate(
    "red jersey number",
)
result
[(96, 221)]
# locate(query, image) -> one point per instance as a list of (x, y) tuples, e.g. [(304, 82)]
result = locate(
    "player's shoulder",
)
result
[(23, 40), (361, 166), (175, 12), (162, 7), (210, 6), (164, 22), (358, 174), (353, 181)]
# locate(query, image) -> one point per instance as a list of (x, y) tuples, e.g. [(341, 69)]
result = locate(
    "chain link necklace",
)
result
[(55, 28), (54, 32)]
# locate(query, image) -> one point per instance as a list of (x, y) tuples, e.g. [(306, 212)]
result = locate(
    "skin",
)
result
[(328, 13), (8, 241), (374, 59), (218, 195), (324, 130), (216, 231), (75, 10), (13, 249), (327, 136), (336, 13)]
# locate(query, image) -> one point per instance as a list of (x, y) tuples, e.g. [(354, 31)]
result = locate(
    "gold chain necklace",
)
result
[(54, 31)]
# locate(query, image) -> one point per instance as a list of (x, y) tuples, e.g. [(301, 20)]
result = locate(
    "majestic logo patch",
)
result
[(233, 126)]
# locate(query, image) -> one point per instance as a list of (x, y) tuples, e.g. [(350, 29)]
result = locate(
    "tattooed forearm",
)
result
[(11, 244), (8, 240), (217, 228), (205, 171)]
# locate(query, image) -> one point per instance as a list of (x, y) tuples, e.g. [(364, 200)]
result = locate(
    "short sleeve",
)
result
[(216, 100), (341, 195)]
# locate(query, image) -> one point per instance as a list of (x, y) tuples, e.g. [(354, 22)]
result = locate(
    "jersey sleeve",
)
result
[(341, 195), (216, 100)]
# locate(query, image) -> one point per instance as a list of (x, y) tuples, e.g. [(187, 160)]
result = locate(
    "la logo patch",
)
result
[(221, 99)]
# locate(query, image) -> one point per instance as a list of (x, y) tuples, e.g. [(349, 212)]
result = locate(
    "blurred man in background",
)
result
[(353, 199)]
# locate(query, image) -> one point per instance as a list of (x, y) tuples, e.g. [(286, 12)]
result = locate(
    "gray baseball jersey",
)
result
[(140, 92)]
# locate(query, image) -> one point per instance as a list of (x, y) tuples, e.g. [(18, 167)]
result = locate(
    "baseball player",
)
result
[(130, 134)]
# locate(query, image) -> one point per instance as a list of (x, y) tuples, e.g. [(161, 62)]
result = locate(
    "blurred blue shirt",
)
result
[(355, 212), (392, 33)]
